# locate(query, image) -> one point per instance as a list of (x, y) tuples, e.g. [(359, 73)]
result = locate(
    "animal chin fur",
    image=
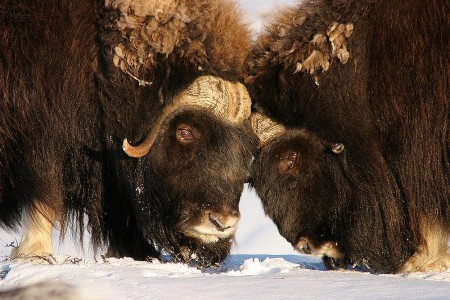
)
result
[(208, 234)]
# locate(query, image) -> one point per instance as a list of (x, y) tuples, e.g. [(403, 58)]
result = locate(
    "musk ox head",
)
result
[(295, 175), (187, 128), (191, 170)]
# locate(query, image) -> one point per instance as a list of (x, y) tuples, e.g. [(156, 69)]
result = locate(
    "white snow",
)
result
[(262, 265), (241, 276)]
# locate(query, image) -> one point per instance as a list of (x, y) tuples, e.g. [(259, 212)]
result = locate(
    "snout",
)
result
[(324, 248), (213, 225), (303, 246)]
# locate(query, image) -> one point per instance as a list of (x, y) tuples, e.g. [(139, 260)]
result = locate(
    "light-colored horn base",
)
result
[(227, 100), (265, 128)]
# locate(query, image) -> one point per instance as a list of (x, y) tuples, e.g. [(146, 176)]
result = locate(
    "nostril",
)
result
[(235, 213), (215, 219), (303, 246)]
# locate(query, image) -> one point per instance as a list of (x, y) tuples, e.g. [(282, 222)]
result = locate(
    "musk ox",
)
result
[(129, 112), (354, 160)]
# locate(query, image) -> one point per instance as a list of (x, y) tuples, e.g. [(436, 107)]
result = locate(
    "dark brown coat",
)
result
[(76, 78), (373, 76)]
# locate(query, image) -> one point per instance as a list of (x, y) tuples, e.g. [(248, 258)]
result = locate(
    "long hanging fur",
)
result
[(77, 77), (374, 76)]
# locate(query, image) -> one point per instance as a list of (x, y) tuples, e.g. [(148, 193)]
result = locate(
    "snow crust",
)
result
[(240, 277)]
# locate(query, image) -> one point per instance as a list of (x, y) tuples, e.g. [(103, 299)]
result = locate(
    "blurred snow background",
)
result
[(258, 10)]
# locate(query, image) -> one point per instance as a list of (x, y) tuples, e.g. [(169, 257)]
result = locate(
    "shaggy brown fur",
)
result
[(77, 77), (374, 76)]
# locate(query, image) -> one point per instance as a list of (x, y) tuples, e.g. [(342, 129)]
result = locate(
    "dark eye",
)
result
[(291, 159), (186, 134), (288, 160)]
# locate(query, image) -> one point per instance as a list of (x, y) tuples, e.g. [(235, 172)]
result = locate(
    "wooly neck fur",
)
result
[(78, 77), (381, 90)]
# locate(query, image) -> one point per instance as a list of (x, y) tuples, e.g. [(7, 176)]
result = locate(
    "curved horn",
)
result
[(239, 106), (227, 100), (265, 128)]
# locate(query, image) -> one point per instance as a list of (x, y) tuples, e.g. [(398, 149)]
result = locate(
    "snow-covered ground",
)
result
[(262, 265), (241, 277)]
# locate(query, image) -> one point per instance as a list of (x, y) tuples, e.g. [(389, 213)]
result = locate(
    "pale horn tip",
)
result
[(128, 149), (125, 145)]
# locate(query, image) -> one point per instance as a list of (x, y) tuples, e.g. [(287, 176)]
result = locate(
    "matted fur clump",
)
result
[(360, 173), (79, 80), (164, 28)]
